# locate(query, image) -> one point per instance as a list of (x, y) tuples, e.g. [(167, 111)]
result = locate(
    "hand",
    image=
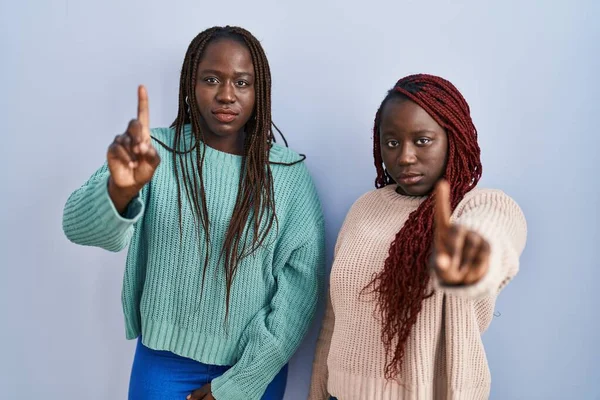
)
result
[(131, 157), (460, 256), (204, 393)]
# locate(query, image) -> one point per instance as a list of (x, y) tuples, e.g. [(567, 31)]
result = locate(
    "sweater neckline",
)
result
[(210, 153), (389, 194)]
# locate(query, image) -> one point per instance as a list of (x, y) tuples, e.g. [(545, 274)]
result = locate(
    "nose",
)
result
[(226, 93), (407, 154)]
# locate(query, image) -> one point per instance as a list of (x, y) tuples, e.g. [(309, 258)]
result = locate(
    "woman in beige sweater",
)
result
[(416, 274)]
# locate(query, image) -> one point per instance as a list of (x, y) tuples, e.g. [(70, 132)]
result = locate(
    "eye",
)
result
[(423, 141), (211, 80), (242, 83), (392, 143)]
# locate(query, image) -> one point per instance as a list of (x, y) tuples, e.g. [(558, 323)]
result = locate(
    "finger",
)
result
[(476, 273), (442, 211), (123, 139), (196, 395), (455, 243), (118, 152), (449, 263), (126, 141), (149, 154), (450, 277), (135, 133), (443, 261), (446, 247), (143, 112), (473, 276), (482, 259), (199, 393), (481, 263), (470, 249)]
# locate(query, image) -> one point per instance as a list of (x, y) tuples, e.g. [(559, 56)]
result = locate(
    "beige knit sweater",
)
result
[(444, 356)]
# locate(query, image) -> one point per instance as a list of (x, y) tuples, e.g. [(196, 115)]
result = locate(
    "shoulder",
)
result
[(489, 201), (163, 134), (486, 196), (369, 197), (289, 168), (284, 155), (164, 138), (295, 189), (372, 200)]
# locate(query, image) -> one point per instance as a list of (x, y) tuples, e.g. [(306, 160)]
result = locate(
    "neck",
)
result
[(399, 191), (233, 144)]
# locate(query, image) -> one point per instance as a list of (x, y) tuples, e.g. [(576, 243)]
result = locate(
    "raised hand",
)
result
[(460, 256), (131, 157)]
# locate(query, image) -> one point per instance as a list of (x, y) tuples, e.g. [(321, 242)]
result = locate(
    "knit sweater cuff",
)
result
[(91, 219), (106, 211), (227, 389), (253, 372)]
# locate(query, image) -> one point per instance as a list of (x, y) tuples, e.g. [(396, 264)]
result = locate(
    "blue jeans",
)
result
[(162, 375)]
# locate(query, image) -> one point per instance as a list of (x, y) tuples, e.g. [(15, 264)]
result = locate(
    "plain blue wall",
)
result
[(529, 70)]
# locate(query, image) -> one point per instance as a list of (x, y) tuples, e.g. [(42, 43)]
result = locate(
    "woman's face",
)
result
[(414, 147)]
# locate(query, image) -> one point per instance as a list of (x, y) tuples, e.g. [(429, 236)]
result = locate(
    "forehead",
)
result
[(402, 114), (227, 55)]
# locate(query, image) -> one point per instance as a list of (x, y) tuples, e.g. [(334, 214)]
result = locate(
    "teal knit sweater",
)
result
[(275, 290)]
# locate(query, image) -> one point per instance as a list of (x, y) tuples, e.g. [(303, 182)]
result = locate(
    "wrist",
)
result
[(121, 197)]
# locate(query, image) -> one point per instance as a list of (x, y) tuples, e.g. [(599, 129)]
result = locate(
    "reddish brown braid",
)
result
[(402, 285)]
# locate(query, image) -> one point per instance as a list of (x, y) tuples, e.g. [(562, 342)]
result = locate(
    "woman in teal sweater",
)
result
[(224, 229)]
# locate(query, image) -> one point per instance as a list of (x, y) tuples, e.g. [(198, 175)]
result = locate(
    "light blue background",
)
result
[(529, 70)]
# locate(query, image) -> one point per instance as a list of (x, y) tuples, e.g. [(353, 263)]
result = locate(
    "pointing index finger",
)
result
[(442, 208), (143, 113), (442, 225)]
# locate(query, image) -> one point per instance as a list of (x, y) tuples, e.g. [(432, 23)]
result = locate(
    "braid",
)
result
[(255, 201), (402, 285)]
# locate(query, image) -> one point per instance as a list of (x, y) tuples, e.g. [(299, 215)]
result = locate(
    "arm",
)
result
[(320, 374), (320, 371), (90, 217), (102, 212), (500, 222)]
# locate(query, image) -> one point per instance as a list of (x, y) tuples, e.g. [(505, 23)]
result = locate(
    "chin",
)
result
[(225, 131), (416, 191)]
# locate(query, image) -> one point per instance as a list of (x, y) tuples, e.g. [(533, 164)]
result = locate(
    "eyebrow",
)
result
[(236, 73), (421, 131), (418, 132)]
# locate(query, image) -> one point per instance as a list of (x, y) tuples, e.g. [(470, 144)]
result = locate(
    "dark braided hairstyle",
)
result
[(402, 285), (255, 198)]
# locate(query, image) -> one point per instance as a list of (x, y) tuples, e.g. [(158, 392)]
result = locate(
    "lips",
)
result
[(409, 178), (225, 115)]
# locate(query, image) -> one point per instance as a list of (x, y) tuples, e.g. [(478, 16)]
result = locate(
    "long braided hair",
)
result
[(255, 198), (402, 285)]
